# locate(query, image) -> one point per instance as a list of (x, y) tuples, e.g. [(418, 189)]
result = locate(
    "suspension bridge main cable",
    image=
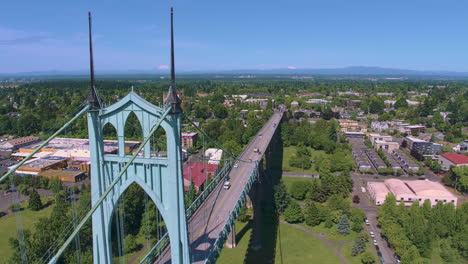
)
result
[(109, 189)]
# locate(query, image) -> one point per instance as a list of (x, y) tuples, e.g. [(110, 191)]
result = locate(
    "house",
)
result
[(447, 160), (197, 173), (462, 147), (189, 139), (294, 104)]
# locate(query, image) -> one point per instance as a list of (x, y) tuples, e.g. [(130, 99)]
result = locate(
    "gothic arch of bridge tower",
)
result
[(160, 177)]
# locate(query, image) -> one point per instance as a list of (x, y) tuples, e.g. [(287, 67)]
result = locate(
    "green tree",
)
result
[(282, 197), (367, 258), (130, 244), (401, 103), (316, 192), (243, 216), (293, 213), (55, 185), (299, 189), (312, 214), (343, 226), (359, 246), (220, 111), (35, 202)]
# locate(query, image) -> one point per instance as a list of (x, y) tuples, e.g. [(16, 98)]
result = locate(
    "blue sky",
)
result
[(256, 34)]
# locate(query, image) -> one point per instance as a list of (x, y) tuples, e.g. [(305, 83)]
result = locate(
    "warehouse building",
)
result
[(408, 192)]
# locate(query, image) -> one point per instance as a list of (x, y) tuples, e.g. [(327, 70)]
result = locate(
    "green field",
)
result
[(237, 255), (290, 151), (8, 226), (288, 181), (295, 246)]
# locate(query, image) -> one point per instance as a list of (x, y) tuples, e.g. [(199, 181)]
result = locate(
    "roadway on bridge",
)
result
[(208, 221)]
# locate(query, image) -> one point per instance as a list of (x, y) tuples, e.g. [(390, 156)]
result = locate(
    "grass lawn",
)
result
[(237, 255), (290, 151), (331, 233), (28, 219), (295, 246), (288, 181), (346, 252)]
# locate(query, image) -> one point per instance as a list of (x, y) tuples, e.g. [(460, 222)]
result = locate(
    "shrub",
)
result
[(293, 213)]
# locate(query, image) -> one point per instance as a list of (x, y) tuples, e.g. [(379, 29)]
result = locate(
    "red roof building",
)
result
[(197, 173), (446, 160)]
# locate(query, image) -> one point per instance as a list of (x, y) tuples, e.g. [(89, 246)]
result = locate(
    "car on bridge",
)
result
[(227, 185)]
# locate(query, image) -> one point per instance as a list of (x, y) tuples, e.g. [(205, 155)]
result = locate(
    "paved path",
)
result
[(298, 174), (324, 240)]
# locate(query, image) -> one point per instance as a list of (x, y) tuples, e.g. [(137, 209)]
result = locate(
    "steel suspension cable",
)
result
[(109, 189)]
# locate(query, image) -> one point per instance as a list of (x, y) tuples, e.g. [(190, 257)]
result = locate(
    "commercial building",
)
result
[(214, 155), (375, 159), (423, 147), (410, 129), (17, 143), (63, 175), (386, 145), (189, 139), (393, 163), (349, 135), (373, 137), (408, 192), (378, 192), (36, 166), (447, 160), (317, 101), (406, 162), (347, 125)]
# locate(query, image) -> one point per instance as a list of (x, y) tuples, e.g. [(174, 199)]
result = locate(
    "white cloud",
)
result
[(163, 67), (292, 67)]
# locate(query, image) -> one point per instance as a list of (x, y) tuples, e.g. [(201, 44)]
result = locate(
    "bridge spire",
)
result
[(92, 98), (172, 97)]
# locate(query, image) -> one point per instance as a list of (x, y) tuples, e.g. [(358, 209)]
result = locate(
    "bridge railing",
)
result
[(219, 243), (202, 197), (157, 249)]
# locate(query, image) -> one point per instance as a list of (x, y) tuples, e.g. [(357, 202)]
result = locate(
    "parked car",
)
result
[(236, 165), (372, 234), (375, 242), (367, 222)]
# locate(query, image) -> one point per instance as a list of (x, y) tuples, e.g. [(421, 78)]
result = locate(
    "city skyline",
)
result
[(231, 36)]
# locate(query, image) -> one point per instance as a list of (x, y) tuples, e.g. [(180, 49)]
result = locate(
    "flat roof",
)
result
[(398, 188), (429, 188)]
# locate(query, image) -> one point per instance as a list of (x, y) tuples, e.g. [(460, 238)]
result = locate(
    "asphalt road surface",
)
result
[(208, 221)]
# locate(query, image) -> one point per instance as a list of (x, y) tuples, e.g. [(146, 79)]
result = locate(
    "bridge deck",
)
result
[(208, 221)]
